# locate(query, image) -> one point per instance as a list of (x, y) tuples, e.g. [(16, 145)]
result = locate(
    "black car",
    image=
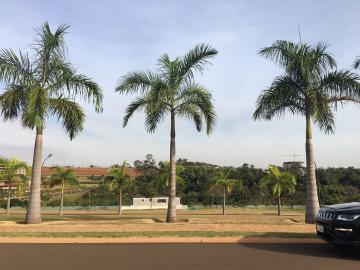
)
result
[(339, 223)]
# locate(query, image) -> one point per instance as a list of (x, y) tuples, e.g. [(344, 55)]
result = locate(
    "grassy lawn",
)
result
[(234, 215), (102, 223)]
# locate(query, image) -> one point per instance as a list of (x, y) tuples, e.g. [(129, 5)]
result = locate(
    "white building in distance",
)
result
[(155, 203)]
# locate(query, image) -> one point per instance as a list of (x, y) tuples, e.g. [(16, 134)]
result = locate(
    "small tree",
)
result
[(279, 182), (222, 181), (117, 180), (13, 174), (64, 178)]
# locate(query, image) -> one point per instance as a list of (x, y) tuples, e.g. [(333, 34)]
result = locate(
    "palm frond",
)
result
[(284, 94), (138, 104), (69, 113), (196, 60), (196, 101), (281, 52), (13, 101), (50, 44), (14, 69), (155, 114), (35, 111), (341, 84), (135, 82)]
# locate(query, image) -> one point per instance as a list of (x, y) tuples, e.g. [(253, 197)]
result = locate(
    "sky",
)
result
[(110, 38)]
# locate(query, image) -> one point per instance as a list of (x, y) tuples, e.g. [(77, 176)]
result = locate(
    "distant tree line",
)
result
[(194, 186), (336, 185)]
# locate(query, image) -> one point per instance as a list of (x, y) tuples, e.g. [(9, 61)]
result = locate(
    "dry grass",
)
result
[(210, 220)]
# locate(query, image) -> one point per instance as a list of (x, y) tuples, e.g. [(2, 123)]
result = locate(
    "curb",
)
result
[(162, 240)]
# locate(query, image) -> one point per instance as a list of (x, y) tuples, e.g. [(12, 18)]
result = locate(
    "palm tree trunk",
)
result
[(8, 200), (279, 205), (171, 212), (224, 201), (120, 201), (312, 201), (61, 202), (33, 213)]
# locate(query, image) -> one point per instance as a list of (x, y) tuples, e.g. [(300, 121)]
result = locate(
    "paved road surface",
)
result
[(177, 256)]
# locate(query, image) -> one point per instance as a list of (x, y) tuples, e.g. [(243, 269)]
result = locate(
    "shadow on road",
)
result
[(309, 249)]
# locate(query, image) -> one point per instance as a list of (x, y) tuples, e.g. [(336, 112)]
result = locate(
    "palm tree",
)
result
[(65, 178), (172, 91), (311, 87), (222, 181), (40, 86), (14, 173), (279, 182), (117, 179)]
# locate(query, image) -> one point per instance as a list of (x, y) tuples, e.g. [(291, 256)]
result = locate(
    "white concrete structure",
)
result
[(154, 203)]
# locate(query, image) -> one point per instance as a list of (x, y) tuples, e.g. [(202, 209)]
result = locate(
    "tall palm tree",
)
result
[(41, 86), (64, 178), (172, 91), (223, 181), (279, 182), (117, 179), (311, 87), (14, 173)]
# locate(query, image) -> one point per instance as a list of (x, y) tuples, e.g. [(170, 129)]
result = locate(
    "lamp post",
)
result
[(49, 156), (45, 159)]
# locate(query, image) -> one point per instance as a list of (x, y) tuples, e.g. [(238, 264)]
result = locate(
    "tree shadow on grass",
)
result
[(322, 250)]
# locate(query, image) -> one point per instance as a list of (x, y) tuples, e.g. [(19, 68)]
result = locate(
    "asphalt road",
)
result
[(177, 256)]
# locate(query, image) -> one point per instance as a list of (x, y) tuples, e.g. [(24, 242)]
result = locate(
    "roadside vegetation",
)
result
[(45, 84)]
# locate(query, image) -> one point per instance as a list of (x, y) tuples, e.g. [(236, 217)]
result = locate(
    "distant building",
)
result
[(155, 203), (89, 173), (294, 166)]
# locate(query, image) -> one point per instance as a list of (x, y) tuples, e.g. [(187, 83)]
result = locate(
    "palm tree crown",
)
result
[(64, 178), (117, 177), (309, 86), (45, 84), (222, 180), (13, 170), (279, 182), (172, 90)]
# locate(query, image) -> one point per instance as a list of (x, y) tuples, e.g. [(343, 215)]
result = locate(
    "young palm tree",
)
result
[(117, 180), (64, 178), (14, 173), (40, 86), (279, 182), (222, 181), (172, 91), (310, 86)]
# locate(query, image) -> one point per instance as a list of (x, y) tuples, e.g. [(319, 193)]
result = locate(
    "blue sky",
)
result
[(107, 39)]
